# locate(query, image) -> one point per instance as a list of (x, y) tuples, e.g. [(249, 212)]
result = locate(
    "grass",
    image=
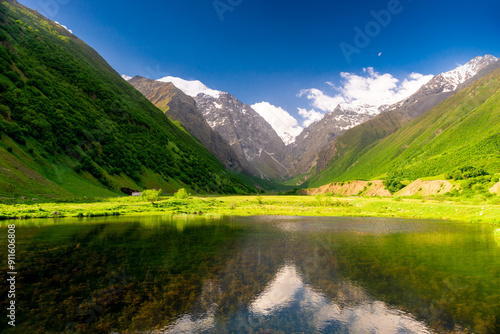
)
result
[(434, 178), (472, 210)]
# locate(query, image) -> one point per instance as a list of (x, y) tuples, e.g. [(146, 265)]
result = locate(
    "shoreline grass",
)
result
[(416, 208)]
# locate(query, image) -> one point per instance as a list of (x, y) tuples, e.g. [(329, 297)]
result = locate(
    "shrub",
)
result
[(339, 203), (453, 193), (393, 185), (5, 112), (294, 191), (181, 194), (465, 172), (151, 195), (393, 181), (478, 188)]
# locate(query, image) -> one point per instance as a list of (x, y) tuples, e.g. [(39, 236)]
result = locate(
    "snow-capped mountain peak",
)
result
[(191, 88), (287, 138), (463, 73), (126, 77), (362, 108)]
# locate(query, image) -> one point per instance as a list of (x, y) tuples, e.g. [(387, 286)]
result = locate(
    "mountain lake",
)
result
[(267, 274)]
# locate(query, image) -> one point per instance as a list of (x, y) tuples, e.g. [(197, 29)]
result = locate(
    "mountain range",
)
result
[(70, 125), (258, 147), (462, 131), (343, 153), (341, 134), (182, 108)]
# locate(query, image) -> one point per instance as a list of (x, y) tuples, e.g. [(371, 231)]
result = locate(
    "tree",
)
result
[(151, 195), (181, 194), (392, 182)]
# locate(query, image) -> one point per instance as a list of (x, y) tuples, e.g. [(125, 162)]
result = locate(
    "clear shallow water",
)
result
[(256, 275)]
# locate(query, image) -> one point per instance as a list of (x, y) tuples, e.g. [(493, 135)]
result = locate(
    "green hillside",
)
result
[(463, 130), (71, 126)]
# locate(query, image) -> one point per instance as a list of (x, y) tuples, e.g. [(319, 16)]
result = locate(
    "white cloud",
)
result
[(330, 84), (320, 100), (310, 116), (64, 27), (281, 121), (370, 88), (379, 54)]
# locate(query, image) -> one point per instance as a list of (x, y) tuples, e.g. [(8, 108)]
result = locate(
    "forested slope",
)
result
[(70, 125)]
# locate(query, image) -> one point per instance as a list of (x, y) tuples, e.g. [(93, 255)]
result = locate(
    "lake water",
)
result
[(254, 275)]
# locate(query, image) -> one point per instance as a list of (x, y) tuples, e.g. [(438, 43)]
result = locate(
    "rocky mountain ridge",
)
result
[(250, 136), (180, 107)]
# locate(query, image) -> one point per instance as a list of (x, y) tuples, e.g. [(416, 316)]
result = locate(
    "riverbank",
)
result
[(320, 205)]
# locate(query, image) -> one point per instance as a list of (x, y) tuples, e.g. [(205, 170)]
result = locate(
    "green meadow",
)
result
[(437, 207)]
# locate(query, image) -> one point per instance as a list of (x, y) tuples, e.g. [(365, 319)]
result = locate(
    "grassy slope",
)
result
[(70, 125), (463, 130)]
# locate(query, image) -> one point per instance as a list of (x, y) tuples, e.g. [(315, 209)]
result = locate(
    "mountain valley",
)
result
[(327, 148), (79, 125)]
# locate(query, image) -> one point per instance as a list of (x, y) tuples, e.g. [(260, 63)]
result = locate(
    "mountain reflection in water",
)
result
[(287, 295), (258, 275)]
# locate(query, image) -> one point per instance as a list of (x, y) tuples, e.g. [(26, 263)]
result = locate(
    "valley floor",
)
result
[(320, 205)]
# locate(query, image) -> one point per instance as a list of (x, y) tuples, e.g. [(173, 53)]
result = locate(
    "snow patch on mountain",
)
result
[(287, 138), (191, 87), (126, 77), (463, 73), (362, 108)]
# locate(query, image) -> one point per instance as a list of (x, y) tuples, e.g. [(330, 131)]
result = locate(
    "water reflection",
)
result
[(258, 275), (278, 294), (305, 309)]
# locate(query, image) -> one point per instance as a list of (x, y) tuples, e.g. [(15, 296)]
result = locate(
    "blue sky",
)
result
[(270, 50)]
